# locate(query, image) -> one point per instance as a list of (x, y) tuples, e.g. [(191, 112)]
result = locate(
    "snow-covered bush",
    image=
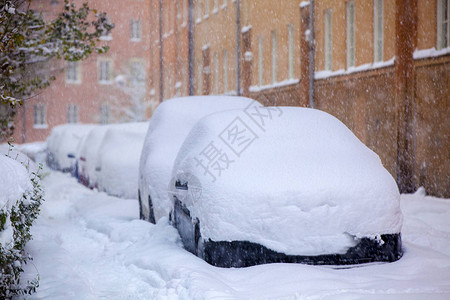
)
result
[(20, 198)]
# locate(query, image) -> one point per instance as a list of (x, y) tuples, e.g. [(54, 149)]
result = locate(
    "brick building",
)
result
[(100, 89), (381, 67)]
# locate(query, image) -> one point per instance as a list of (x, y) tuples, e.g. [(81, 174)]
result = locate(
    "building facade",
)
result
[(104, 88), (381, 67)]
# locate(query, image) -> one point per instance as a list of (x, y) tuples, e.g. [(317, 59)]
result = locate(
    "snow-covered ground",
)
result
[(88, 245)]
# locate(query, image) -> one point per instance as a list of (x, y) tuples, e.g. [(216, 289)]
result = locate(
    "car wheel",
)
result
[(141, 213), (151, 214), (199, 240)]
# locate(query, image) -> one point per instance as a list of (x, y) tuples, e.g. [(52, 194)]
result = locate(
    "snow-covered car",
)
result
[(88, 160), (118, 159), (169, 126), (63, 143), (272, 184)]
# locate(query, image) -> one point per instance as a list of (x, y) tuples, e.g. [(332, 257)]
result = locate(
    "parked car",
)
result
[(88, 162), (118, 159), (62, 145), (272, 184), (169, 126)]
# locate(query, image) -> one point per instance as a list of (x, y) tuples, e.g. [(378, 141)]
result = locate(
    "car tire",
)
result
[(151, 214), (199, 240), (141, 213)]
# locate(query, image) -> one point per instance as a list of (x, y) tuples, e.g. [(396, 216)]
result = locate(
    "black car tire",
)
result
[(151, 213), (141, 213)]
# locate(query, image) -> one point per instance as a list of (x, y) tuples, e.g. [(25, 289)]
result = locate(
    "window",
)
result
[(225, 71), (328, 40), (104, 71), (216, 6), (40, 116), (224, 4), (274, 56), (104, 113), (378, 30), (73, 72), (135, 30), (137, 73), (216, 73), (443, 24), (206, 9), (54, 2), (350, 34), (260, 61), (72, 113), (291, 43)]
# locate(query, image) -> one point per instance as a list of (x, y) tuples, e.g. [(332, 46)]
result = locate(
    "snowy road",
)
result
[(88, 245)]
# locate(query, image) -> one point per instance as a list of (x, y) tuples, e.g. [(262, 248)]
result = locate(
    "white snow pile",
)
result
[(88, 245), (16, 153), (294, 180), (14, 183), (118, 158), (64, 140), (169, 126), (88, 160)]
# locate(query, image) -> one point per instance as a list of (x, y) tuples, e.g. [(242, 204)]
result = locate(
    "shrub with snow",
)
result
[(169, 126), (294, 180), (20, 198), (118, 158)]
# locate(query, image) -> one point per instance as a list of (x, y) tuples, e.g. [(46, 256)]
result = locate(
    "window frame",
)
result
[(40, 116), (73, 72), (136, 30), (109, 71), (291, 49), (274, 36), (443, 25), (350, 33), (378, 30), (72, 114)]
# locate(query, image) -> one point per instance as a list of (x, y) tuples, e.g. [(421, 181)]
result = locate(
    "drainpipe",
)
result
[(311, 54), (191, 47), (161, 71), (238, 48)]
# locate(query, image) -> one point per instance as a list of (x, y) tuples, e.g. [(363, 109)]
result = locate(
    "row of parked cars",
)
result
[(246, 184), (105, 157)]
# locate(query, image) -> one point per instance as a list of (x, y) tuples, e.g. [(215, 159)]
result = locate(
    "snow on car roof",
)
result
[(169, 126), (295, 180)]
